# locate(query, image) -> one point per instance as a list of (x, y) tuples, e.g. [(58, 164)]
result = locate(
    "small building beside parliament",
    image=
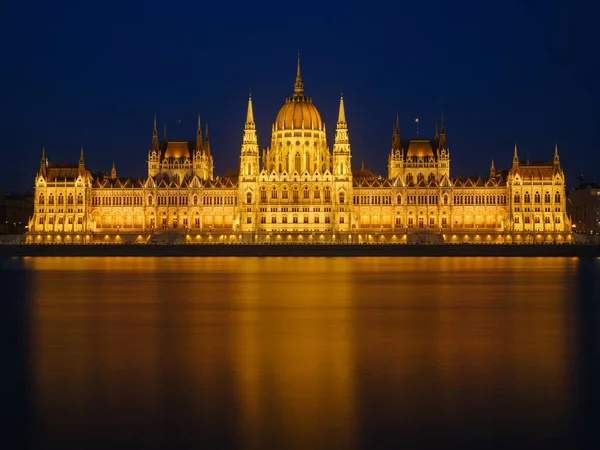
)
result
[(299, 190)]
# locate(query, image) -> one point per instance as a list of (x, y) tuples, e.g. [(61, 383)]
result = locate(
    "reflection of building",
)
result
[(300, 190), (15, 212), (584, 208)]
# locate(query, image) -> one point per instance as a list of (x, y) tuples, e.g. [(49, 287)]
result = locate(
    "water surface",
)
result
[(297, 353)]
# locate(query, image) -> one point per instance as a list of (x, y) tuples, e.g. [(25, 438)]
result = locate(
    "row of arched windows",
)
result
[(537, 198), (60, 200), (276, 194)]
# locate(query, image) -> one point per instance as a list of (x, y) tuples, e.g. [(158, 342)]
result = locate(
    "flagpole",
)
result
[(180, 122), (417, 122)]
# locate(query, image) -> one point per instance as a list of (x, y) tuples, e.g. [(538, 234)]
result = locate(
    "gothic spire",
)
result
[(249, 141), (341, 143), (81, 160), (342, 112), (492, 170), (250, 114), (299, 85), (113, 172)]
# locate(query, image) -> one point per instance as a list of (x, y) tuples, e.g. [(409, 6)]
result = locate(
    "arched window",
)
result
[(398, 199), (51, 199), (342, 197), (297, 163), (306, 192), (80, 199), (274, 193), (517, 198), (408, 177), (327, 194), (263, 193), (557, 197), (536, 197), (61, 199), (431, 177), (249, 169), (41, 199), (527, 197), (547, 197), (284, 193), (70, 199), (317, 193), (295, 193), (420, 177), (195, 200), (249, 197), (149, 200), (445, 199)]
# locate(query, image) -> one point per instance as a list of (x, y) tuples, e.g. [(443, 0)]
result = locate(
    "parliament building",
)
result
[(299, 190)]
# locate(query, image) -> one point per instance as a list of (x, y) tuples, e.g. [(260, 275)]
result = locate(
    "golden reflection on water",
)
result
[(299, 352)]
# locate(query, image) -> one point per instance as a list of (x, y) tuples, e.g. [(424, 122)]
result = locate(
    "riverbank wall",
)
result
[(241, 250)]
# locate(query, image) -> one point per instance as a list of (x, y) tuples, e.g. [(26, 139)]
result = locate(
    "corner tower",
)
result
[(342, 170), (248, 174)]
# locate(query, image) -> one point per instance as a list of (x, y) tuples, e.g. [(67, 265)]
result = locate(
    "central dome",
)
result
[(298, 112)]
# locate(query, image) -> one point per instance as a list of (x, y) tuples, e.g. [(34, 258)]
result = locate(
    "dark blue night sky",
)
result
[(93, 74)]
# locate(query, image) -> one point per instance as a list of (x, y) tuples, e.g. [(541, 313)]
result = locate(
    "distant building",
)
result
[(584, 208), (15, 212), (299, 190)]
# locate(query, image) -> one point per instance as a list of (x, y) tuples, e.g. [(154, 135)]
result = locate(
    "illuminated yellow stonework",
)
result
[(297, 190)]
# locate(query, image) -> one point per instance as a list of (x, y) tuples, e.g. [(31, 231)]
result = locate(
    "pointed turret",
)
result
[(556, 159), (81, 166), (206, 142), (165, 138), (492, 170), (154, 135), (43, 163), (113, 172), (298, 85), (443, 134), (199, 136), (515, 158), (396, 144)]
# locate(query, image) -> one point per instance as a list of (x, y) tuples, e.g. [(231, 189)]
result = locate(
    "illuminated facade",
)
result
[(298, 190)]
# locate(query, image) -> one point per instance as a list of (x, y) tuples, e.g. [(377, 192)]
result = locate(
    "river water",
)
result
[(301, 353)]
